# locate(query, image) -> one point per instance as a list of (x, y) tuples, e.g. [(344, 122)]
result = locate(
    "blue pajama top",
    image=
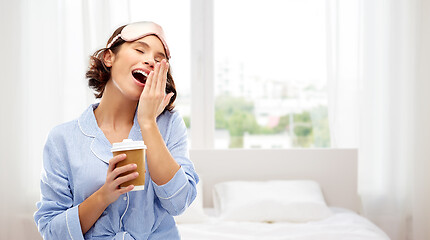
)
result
[(75, 163)]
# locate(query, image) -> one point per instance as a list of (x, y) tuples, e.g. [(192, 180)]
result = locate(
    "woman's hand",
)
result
[(111, 191), (91, 209), (153, 99)]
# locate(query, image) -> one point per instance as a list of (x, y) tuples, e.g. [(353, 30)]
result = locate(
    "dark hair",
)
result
[(98, 74)]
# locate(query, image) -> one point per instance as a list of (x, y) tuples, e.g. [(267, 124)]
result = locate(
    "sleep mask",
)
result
[(137, 30)]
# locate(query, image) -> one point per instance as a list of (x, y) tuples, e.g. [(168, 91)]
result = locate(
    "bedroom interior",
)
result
[(370, 182), (277, 194)]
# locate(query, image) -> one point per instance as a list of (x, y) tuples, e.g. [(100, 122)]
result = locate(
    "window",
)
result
[(270, 74)]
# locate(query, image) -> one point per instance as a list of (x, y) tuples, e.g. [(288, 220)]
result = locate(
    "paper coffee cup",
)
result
[(136, 153)]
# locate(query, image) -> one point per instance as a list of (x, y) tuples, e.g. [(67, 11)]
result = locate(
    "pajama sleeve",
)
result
[(177, 194), (56, 216)]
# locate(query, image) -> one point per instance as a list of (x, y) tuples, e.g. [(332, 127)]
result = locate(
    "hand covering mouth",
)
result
[(140, 75)]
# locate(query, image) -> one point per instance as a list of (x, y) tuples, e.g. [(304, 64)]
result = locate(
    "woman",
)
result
[(80, 194)]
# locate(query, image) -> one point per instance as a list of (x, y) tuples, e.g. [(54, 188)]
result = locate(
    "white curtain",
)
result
[(379, 86), (342, 69), (45, 50)]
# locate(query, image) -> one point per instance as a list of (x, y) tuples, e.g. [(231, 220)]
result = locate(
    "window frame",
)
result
[(202, 80)]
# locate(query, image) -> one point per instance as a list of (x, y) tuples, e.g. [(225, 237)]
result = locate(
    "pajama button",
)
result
[(125, 198)]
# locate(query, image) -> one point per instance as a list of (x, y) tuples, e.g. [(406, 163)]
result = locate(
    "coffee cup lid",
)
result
[(128, 144)]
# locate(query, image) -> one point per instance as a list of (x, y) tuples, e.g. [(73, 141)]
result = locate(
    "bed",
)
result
[(300, 194)]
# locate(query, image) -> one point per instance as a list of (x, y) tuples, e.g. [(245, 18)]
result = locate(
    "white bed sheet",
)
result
[(342, 225)]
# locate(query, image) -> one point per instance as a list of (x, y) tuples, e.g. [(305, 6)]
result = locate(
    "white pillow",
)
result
[(194, 213), (271, 201)]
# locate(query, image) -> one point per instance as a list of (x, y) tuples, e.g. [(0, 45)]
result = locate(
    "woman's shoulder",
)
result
[(64, 129), (75, 126)]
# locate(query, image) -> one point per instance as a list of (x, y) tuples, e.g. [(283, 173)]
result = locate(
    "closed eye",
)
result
[(139, 51), (159, 58)]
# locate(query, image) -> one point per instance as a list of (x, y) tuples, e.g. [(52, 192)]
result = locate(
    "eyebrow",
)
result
[(144, 44)]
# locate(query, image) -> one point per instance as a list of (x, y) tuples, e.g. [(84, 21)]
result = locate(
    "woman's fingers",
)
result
[(162, 77), (120, 180), (120, 170), (155, 78), (153, 98), (126, 189), (167, 99), (113, 161), (110, 189), (149, 81)]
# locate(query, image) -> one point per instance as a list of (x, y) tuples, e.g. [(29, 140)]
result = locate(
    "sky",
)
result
[(277, 38)]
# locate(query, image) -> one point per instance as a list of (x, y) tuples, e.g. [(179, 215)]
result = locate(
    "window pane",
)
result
[(270, 74), (174, 17)]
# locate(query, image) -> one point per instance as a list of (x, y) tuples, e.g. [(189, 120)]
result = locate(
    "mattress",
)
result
[(342, 224)]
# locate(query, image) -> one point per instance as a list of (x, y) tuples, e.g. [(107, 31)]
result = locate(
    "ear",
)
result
[(108, 58)]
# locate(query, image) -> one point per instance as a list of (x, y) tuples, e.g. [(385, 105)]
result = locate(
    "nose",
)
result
[(150, 62)]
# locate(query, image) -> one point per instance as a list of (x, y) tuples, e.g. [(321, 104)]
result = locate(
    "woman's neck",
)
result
[(115, 111)]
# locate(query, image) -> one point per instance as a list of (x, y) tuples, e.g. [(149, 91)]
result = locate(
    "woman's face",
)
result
[(132, 64)]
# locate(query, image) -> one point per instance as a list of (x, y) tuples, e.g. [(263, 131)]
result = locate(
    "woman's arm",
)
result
[(57, 217), (152, 102), (171, 171), (177, 194), (91, 209), (161, 164)]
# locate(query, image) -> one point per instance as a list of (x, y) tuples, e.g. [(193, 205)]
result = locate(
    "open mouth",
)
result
[(140, 76)]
